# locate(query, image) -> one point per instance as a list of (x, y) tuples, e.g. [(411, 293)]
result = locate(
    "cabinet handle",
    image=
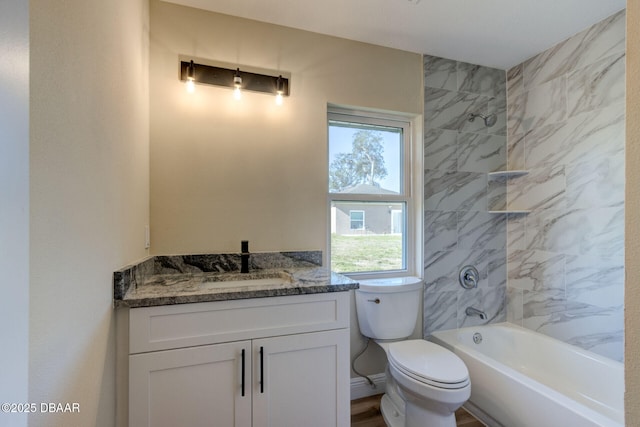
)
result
[(242, 373), (261, 369)]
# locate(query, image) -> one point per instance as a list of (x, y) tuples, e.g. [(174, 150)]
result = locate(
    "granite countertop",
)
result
[(187, 288), (172, 280)]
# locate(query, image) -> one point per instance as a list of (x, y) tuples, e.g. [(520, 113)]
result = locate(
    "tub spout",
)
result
[(471, 311)]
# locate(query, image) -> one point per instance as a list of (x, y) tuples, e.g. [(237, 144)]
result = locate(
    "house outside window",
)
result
[(369, 193)]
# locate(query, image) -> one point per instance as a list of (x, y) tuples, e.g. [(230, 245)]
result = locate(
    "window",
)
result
[(369, 192), (357, 220)]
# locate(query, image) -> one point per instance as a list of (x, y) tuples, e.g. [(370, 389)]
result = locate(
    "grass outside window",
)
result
[(372, 252)]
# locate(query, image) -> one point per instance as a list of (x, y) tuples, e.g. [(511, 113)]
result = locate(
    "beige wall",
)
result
[(632, 231), (88, 193), (223, 170), (14, 196)]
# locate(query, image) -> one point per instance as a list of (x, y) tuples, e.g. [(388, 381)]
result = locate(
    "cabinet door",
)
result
[(196, 386), (302, 380)]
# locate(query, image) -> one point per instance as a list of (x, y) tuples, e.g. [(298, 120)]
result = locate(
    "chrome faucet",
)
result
[(471, 311), (244, 256)]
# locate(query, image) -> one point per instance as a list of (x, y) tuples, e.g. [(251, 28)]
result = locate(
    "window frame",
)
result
[(405, 196)]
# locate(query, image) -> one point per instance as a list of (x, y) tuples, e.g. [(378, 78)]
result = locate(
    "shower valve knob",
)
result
[(469, 277)]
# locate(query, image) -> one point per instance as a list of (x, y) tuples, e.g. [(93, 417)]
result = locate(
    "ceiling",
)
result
[(495, 33)]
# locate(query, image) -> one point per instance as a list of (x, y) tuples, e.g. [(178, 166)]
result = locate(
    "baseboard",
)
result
[(360, 387)]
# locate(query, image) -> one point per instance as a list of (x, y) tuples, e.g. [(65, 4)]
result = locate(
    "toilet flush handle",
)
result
[(377, 300)]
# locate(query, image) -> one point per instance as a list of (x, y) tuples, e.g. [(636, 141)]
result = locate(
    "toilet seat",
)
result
[(429, 363)]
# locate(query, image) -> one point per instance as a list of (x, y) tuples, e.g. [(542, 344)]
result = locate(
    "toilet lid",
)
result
[(390, 284), (429, 362)]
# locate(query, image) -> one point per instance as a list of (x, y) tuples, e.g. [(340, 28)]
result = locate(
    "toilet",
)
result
[(425, 383)]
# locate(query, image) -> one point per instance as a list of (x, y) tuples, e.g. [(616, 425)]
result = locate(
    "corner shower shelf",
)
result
[(510, 211), (507, 174)]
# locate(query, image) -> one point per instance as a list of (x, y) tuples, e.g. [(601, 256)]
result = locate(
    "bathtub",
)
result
[(520, 378)]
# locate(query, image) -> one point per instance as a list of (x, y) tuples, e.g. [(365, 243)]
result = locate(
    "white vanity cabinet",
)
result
[(277, 361), (195, 386)]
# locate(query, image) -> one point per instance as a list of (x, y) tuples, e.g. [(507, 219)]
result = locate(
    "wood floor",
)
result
[(365, 412)]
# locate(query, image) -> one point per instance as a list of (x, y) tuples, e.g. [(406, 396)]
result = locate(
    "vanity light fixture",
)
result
[(235, 79)]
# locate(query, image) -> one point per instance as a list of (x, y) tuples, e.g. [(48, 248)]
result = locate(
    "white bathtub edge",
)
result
[(450, 340)]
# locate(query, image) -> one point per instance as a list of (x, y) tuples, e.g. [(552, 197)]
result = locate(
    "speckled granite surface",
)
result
[(165, 280)]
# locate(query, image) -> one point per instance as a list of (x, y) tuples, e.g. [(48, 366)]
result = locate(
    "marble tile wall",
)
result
[(565, 122), (560, 269), (458, 155)]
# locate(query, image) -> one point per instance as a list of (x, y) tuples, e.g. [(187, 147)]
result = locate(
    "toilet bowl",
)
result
[(426, 383)]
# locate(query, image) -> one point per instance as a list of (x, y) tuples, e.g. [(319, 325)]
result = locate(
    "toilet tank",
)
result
[(388, 308)]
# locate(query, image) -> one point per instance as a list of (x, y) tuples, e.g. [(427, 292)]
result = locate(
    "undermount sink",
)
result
[(255, 282)]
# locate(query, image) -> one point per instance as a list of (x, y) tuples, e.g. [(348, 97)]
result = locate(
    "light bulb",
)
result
[(279, 90), (191, 76), (237, 83)]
